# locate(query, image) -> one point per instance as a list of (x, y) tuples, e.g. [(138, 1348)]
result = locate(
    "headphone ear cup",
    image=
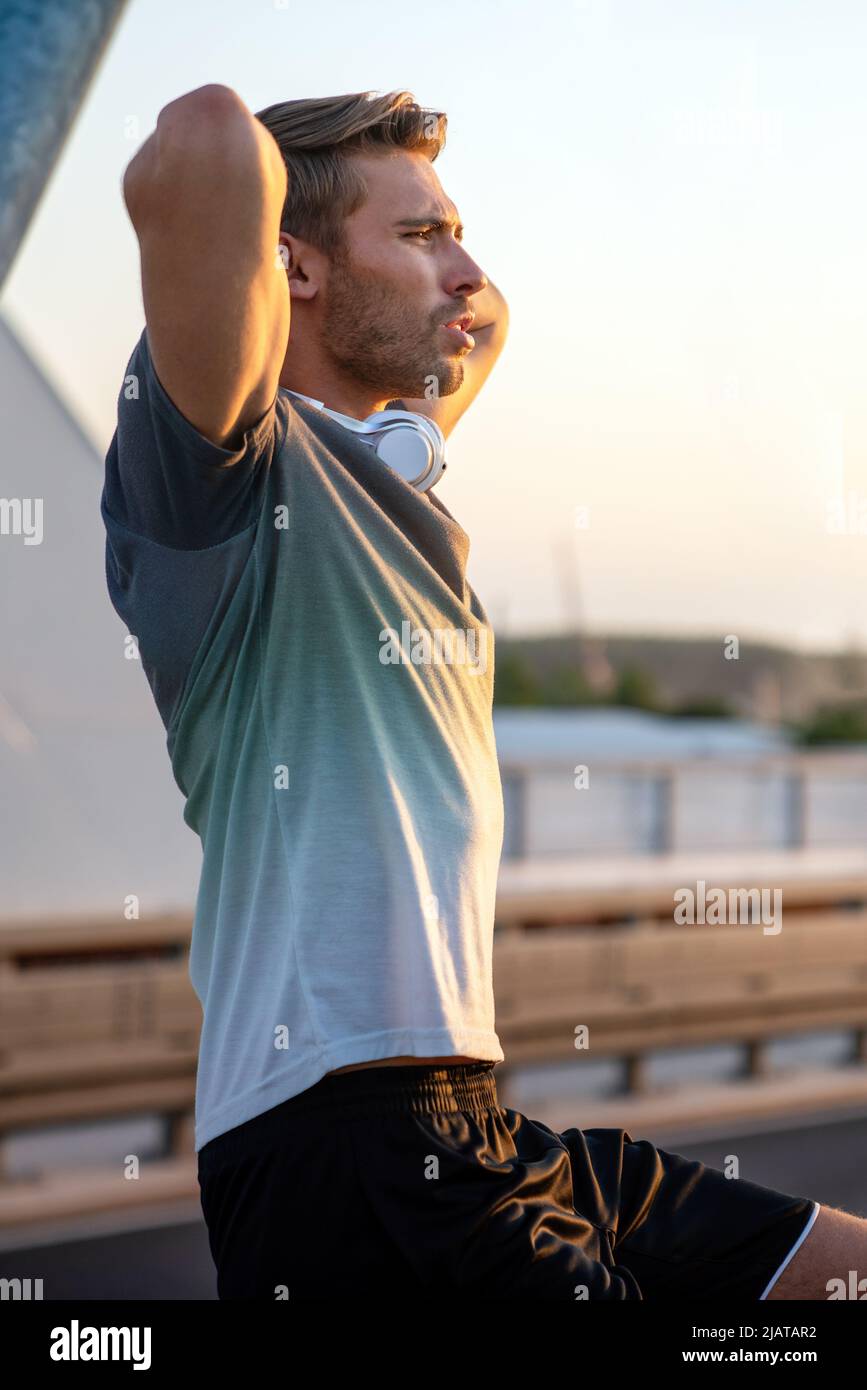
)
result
[(435, 432), (411, 444)]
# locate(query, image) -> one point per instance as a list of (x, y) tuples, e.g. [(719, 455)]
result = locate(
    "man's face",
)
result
[(399, 280)]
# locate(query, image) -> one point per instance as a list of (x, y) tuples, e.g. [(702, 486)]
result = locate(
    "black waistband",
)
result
[(422, 1090)]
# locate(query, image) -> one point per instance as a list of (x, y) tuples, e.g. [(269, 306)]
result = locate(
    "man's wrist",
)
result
[(490, 309)]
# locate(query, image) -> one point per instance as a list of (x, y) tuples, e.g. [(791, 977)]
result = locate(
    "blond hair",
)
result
[(317, 136)]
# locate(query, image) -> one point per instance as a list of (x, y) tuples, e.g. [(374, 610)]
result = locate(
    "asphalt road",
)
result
[(826, 1161)]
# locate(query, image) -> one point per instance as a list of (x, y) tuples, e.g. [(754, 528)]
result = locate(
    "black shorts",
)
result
[(411, 1179)]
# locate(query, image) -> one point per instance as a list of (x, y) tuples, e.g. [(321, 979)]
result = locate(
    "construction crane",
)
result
[(591, 650)]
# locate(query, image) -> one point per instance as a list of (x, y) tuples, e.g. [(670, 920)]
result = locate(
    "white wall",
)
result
[(89, 809)]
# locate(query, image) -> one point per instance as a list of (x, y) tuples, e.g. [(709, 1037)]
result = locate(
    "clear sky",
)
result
[(671, 196)]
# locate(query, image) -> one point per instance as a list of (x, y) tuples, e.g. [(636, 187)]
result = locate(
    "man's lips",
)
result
[(463, 321), (457, 328)]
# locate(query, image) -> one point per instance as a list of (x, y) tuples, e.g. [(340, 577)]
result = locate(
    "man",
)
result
[(285, 585)]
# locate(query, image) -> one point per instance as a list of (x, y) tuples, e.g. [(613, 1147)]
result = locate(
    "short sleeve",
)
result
[(166, 481), (180, 516)]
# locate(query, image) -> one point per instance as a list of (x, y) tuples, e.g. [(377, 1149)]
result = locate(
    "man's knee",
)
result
[(830, 1263)]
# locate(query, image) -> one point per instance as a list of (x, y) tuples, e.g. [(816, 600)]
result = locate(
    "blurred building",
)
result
[(90, 809)]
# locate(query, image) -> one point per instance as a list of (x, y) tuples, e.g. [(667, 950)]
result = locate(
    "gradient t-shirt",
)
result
[(324, 672)]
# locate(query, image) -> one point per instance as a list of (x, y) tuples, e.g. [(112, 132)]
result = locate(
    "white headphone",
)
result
[(410, 444)]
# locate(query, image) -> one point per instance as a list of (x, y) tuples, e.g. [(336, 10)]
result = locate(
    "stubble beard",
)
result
[(375, 337)]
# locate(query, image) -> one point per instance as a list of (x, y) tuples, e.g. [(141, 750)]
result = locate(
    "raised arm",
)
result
[(489, 331), (205, 195)]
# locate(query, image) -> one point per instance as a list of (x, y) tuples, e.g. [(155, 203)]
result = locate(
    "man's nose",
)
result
[(467, 277)]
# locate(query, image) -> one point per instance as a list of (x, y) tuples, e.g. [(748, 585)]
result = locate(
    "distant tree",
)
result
[(515, 681), (836, 724), (704, 707), (637, 689), (566, 685)]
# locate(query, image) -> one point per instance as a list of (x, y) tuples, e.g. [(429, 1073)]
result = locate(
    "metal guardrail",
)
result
[(659, 806)]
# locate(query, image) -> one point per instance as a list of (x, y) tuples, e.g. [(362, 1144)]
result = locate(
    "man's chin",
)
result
[(443, 379)]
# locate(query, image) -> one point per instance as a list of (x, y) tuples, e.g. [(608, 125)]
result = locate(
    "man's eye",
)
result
[(425, 232)]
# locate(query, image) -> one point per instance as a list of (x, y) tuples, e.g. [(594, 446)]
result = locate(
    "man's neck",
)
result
[(348, 397)]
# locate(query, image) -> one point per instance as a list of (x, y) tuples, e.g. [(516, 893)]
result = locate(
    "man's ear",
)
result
[(300, 261)]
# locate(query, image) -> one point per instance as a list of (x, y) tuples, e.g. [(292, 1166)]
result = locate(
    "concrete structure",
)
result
[(90, 812)]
